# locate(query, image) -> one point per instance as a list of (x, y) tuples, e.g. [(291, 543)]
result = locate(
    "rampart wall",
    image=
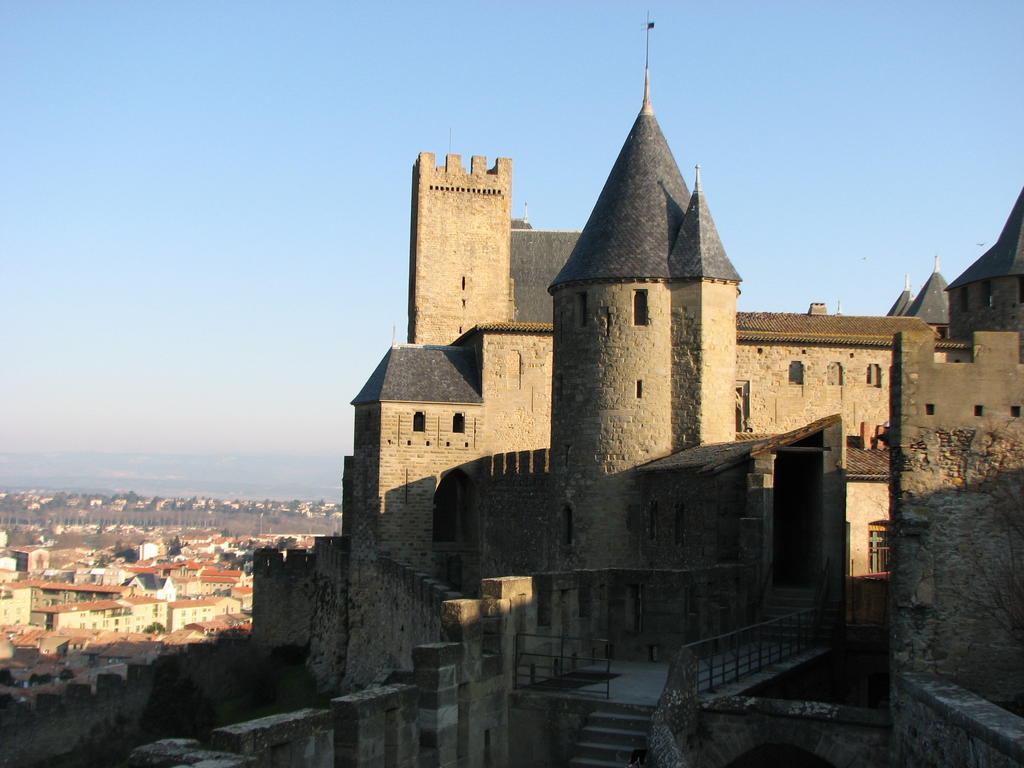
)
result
[(940, 723), (89, 723), (957, 592), (514, 491)]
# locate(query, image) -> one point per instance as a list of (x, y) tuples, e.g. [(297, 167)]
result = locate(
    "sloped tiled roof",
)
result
[(717, 456), (634, 223), (862, 464), (424, 373), (903, 301), (783, 327), (1006, 257)]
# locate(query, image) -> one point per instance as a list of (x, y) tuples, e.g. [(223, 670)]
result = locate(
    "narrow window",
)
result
[(979, 410), (986, 293), (463, 284), (963, 298), (567, 531), (1020, 289), (459, 423), (581, 308), (929, 409), (796, 372), (680, 531), (652, 519), (640, 308), (1015, 411), (874, 375), (639, 388), (835, 374), (419, 422)]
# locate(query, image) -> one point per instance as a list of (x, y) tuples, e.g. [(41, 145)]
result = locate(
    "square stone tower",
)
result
[(459, 249)]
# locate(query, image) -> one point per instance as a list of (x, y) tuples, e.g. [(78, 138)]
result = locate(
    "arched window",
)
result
[(419, 422), (459, 423), (640, 316), (567, 531)]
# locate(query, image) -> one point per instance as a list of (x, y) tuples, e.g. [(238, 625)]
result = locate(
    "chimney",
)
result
[(817, 308)]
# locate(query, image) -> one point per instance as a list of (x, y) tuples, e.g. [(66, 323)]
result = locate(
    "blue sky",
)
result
[(204, 205)]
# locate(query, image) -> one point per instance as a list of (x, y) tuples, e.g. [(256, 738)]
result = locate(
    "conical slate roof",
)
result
[(1006, 257), (932, 303), (698, 250), (903, 301), (633, 226)]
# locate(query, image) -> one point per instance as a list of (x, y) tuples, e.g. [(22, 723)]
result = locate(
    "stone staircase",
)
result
[(610, 735), (783, 600)]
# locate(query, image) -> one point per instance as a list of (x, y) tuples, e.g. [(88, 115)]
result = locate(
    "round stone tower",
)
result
[(632, 310), (989, 295)]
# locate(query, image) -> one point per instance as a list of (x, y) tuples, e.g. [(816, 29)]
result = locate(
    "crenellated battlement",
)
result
[(79, 713), (534, 462), (453, 172)]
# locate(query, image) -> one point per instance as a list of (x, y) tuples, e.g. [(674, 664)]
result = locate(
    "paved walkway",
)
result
[(636, 682)]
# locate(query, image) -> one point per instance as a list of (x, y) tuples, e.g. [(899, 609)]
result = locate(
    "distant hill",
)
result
[(234, 476)]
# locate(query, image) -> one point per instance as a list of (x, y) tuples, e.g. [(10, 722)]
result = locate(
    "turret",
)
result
[(634, 278), (989, 294)]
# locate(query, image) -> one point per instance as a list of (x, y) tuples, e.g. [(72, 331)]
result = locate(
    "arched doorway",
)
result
[(455, 530)]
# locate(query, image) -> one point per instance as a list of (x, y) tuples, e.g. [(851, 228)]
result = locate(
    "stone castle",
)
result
[(583, 441)]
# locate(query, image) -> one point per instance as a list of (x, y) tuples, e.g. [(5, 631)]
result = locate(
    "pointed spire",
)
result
[(906, 282), (931, 304), (698, 251), (634, 223), (526, 213), (938, 267), (647, 109), (697, 186), (1006, 257)]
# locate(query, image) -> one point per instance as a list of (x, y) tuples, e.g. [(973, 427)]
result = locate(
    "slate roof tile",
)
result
[(1006, 257), (424, 373)]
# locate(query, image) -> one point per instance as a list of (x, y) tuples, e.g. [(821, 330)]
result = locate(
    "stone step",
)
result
[(616, 753), (590, 762), (631, 736), (628, 722)]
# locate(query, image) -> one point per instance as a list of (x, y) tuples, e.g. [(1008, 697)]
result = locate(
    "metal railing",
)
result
[(562, 663), (726, 658)]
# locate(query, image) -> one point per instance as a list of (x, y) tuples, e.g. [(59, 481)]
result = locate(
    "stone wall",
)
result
[(302, 738), (957, 593), (392, 608), (703, 362), (88, 726), (939, 723), (777, 405), (979, 313), (612, 400), (284, 597), (459, 251), (410, 467), (513, 491), (642, 615), (516, 373)]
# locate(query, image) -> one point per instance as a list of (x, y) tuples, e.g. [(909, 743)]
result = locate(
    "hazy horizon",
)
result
[(278, 477)]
